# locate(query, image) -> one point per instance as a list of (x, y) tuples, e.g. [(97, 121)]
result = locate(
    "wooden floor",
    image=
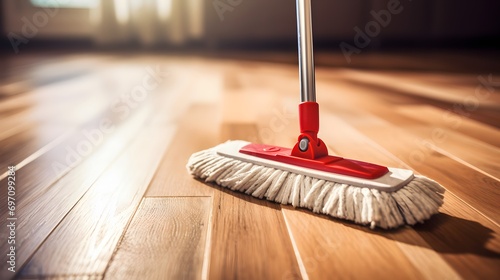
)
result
[(101, 140)]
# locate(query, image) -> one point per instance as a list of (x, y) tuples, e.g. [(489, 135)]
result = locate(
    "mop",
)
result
[(307, 176)]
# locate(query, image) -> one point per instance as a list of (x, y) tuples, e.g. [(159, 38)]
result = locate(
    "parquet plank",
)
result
[(480, 107), (85, 240), (74, 101), (470, 244), (29, 110), (476, 234), (366, 114), (42, 174), (335, 248), (165, 240), (464, 148), (420, 87), (45, 195), (249, 235), (19, 146), (452, 121), (468, 151), (249, 239), (44, 110), (197, 131), (419, 155)]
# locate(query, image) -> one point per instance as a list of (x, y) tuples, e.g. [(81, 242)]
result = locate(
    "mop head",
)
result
[(415, 201)]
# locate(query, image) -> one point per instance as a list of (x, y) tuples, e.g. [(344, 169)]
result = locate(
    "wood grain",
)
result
[(129, 209), (165, 240), (45, 191), (442, 137), (250, 240), (342, 249), (459, 222), (20, 146), (85, 240), (450, 120), (249, 235), (413, 85), (455, 176), (372, 117), (478, 155), (196, 132)]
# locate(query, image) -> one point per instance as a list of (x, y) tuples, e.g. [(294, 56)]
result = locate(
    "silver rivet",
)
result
[(303, 144)]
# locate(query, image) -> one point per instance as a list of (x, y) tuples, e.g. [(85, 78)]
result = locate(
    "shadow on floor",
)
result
[(442, 233)]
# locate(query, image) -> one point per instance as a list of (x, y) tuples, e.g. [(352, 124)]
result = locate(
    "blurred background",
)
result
[(245, 24)]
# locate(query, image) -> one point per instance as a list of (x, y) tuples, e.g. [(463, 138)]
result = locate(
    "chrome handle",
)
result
[(306, 57)]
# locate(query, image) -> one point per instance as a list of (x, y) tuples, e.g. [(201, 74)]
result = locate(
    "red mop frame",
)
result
[(315, 155)]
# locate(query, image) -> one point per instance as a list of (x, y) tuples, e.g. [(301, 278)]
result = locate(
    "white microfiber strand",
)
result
[(413, 203)]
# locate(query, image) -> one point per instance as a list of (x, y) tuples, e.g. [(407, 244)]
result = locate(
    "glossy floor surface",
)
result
[(100, 142)]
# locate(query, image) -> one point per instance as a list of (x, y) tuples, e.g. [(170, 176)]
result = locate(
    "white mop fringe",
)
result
[(413, 203)]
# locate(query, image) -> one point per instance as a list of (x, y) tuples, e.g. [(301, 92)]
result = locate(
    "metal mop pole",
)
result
[(309, 145), (306, 58)]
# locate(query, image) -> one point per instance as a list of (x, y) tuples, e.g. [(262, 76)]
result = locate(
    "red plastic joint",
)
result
[(309, 118), (309, 127)]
